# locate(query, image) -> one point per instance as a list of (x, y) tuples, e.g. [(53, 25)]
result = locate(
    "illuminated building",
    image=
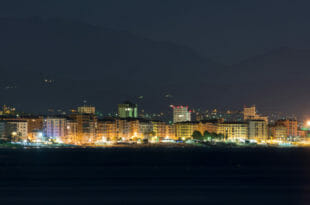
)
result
[(70, 132), (302, 133), (86, 110), (133, 130), (209, 126), (36, 136), (291, 126), (258, 130), (278, 132), (184, 130), (128, 110), (145, 128), (106, 129), (125, 129), (7, 110), (21, 128), (86, 128), (17, 130), (249, 113), (122, 128), (2, 130), (159, 128), (181, 114), (170, 132), (199, 116), (54, 128), (233, 130), (137, 129), (34, 123)]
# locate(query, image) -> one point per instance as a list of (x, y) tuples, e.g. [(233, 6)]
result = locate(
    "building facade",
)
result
[(184, 130), (278, 132), (54, 128), (128, 110), (71, 132), (106, 130), (258, 130), (291, 126), (233, 131), (86, 110), (249, 113), (86, 128), (181, 114)]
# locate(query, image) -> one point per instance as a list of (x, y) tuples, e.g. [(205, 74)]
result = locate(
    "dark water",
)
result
[(155, 175)]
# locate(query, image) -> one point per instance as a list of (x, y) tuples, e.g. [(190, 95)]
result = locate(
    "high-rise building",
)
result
[(21, 128), (258, 130), (128, 110), (86, 128), (184, 130), (86, 109), (71, 132), (233, 131), (106, 129), (291, 126), (181, 114), (159, 128), (16, 130), (278, 132), (145, 128), (249, 113), (54, 128), (35, 123), (36, 136), (170, 131)]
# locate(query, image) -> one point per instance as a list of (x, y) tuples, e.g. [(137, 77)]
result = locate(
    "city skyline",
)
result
[(154, 102), (85, 126)]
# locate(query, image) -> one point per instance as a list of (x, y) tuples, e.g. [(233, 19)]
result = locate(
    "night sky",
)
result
[(233, 53), (225, 30)]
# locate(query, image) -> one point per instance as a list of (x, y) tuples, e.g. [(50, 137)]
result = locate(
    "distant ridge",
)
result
[(86, 61)]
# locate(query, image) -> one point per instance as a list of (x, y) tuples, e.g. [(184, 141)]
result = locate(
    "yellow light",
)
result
[(308, 123)]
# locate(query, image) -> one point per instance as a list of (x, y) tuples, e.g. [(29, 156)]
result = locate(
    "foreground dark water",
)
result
[(155, 175)]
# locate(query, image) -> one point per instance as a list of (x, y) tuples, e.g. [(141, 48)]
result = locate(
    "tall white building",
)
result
[(54, 128), (181, 114)]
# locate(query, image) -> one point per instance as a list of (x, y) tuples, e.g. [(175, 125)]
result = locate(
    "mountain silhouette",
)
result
[(80, 61)]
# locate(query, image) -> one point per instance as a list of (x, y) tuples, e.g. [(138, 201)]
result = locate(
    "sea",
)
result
[(155, 174)]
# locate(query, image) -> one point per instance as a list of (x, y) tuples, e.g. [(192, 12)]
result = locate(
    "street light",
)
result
[(14, 134)]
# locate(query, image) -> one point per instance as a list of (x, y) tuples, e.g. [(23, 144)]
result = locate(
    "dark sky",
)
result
[(224, 30), (259, 52)]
